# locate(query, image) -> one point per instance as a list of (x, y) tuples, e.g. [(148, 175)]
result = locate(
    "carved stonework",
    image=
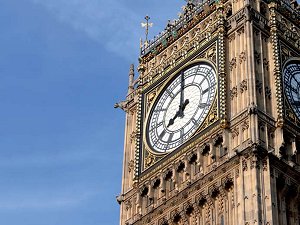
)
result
[(130, 166), (297, 44), (150, 98), (232, 64), (268, 92), (237, 172), (133, 136), (254, 163), (231, 37), (234, 132), (245, 125), (233, 93), (149, 160), (265, 164), (241, 30), (262, 126), (128, 205), (266, 64), (242, 57), (245, 164), (211, 54), (259, 86), (257, 57), (243, 86)]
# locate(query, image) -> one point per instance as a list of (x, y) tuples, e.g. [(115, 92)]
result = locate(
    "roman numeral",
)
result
[(155, 126), (162, 134), (296, 103), (294, 89), (170, 93), (160, 110), (206, 90), (194, 121), (202, 105), (202, 81), (170, 137), (181, 135)]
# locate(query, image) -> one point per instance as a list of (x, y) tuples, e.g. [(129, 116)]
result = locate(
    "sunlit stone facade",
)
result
[(241, 165)]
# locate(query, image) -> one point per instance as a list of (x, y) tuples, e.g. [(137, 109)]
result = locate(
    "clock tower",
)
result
[(212, 134)]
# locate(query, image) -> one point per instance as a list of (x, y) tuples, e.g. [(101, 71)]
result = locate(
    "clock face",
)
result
[(292, 85), (181, 108)]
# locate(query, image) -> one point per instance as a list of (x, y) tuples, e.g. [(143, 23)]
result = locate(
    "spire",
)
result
[(131, 79), (147, 25)]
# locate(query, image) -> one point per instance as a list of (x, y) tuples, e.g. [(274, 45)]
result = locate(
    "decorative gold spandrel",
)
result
[(210, 53), (150, 98), (150, 159), (290, 114), (211, 118)]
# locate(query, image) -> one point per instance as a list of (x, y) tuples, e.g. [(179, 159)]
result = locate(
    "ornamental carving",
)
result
[(252, 108), (233, 93), (241, 31), (259, 86), (245, 125), (265, 164), (243, 86), (266, 64), (297, 43), (149, 160), (163, 221), (254, 163), (150, 98), (244, 164), (242, 57), (211, 54), (133, 136), (257, 57), (232, 64), (221, 205), (262, 126), (268, 92), (234, 132), (237, 172), (130, 166), (231, 37), (128, 205)]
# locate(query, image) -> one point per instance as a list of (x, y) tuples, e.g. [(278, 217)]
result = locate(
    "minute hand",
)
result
[(181, 107)]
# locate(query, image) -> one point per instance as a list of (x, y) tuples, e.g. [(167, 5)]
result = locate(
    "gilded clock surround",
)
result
[(151, 95)]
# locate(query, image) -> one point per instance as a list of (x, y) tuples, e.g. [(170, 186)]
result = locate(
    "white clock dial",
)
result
[(292, 85), (181, 108)]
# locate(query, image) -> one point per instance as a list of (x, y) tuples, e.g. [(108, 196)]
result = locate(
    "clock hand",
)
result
[(186, 102), (181, 95), (178, 113), (171, 121)]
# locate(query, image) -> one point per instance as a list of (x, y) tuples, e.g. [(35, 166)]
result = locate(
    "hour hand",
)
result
[(171, 121), (182, 107)]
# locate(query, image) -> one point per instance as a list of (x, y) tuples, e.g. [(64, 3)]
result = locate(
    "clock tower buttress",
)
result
[(212, 133)]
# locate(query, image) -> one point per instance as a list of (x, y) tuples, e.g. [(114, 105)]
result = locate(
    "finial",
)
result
[(147, 25), (131, 79)]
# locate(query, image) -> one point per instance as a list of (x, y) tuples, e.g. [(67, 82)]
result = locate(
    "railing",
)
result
[(172, 28)]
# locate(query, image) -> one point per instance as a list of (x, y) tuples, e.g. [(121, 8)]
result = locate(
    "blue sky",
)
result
[(63, 65)]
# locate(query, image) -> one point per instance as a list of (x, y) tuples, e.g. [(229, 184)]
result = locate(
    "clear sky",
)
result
[(63, 65)]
